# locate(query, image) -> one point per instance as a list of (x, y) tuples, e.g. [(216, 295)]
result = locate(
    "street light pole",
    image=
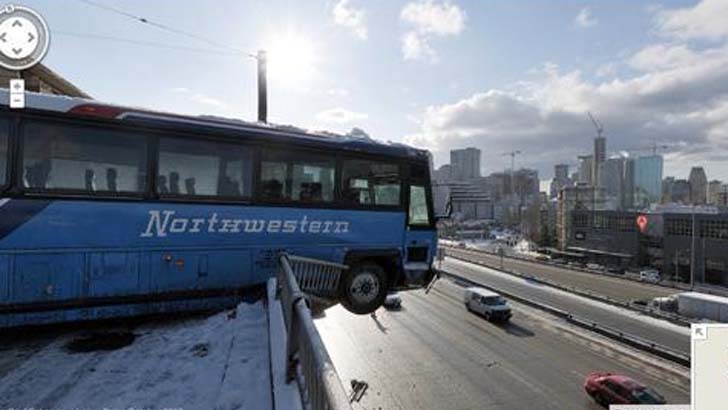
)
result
[(692, 254), (262, 87)]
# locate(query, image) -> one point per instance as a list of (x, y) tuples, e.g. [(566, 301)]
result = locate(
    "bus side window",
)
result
[(371, 183), (208, 168), (58, 157), (3, 151), (285, 175)]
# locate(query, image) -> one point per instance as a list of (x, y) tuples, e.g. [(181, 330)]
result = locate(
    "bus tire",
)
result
[(364, 288)]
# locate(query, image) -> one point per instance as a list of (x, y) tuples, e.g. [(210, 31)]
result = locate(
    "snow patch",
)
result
[(220, 362)]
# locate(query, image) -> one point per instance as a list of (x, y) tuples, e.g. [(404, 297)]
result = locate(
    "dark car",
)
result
[(607, 388)]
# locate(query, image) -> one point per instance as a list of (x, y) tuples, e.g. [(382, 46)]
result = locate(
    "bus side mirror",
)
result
[(448, 212)]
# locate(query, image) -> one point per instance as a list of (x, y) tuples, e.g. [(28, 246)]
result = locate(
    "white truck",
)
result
[(702, 306)]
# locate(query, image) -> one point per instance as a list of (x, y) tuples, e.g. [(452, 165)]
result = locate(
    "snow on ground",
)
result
[(218, 362), (584, 300)]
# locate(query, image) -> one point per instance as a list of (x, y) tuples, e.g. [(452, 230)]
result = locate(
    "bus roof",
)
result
[(284, 133)]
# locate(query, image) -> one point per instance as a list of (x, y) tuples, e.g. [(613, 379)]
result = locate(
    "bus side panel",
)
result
[(4, 283), (47, 277), (176, 270), (114, 274)]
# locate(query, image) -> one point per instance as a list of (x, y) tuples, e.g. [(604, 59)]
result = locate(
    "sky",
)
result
[(440, 75)]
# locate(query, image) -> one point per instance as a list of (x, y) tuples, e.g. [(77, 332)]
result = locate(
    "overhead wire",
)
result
[(144, 43), (144, 20)]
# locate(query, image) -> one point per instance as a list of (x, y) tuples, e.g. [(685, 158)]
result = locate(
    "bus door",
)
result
[(420, 234)]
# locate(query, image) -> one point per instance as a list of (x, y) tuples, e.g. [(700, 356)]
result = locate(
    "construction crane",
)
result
[(652, 147), (512, 154), (597, 124)]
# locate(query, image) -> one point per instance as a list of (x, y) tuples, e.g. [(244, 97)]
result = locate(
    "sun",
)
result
[(291, 59)]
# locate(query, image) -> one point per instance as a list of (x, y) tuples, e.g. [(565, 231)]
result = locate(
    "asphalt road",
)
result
[(433, 354), (614, 287), (656, 330)]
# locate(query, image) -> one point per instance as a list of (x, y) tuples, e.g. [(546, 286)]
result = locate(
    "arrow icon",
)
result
[(17, 23), (31, 37)]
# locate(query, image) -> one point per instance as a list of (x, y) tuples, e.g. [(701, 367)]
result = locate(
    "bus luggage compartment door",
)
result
[(47, 277)]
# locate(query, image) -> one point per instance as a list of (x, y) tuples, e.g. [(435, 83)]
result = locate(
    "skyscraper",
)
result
[(465, 163), (600, 153), (698, 186), (586, 169), (561, 179), (617, 180), (648, 178)]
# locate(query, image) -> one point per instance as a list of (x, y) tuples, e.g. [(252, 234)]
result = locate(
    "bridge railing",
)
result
[(308, 362)]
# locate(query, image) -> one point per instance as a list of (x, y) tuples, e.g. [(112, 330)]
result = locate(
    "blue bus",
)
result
[(108, 211)]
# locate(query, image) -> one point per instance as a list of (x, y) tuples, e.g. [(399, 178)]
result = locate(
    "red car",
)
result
[(607, 388)]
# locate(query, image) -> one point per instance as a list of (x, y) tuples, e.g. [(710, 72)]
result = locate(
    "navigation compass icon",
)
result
[(24, 37)]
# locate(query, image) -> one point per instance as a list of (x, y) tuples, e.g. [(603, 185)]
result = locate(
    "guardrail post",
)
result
[(308, 361)]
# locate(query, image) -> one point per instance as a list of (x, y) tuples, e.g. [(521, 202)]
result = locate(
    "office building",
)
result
[(714, 190), (561, 179), (648, 179), (617, 180), (698, 186), (578, 197), (469, 202), (465, 164), (586, 169), (525, 185), (442, 174)]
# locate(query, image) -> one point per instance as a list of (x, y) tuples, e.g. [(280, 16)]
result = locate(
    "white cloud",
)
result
[(707, 20), (353, 18), (340, 116), (428, 19), (585, 19), (679, 96), (415, 47), (338, 92)]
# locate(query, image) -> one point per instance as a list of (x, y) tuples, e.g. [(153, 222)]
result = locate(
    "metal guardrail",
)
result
[(316, 277), (308, 362)]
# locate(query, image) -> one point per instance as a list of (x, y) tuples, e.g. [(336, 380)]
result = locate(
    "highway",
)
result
[(433, 354), (656, 330), (624, 290)]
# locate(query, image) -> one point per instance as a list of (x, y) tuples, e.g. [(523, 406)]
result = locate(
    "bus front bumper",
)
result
[(416, 275)]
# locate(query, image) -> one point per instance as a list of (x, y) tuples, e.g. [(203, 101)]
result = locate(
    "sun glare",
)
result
[(291, 59)]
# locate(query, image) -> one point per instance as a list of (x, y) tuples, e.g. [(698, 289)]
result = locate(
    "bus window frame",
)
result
[(254, 140), (6, 184), (180, 197), (426, 182), (401, 164), (70, 192)]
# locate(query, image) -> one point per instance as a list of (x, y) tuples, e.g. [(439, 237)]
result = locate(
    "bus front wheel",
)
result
[(364, 288)]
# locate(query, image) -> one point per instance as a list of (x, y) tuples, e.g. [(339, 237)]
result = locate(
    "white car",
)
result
[(650, 275)]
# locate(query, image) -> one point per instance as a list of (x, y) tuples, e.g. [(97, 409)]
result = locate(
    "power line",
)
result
[(165, 27), (145, 43)]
